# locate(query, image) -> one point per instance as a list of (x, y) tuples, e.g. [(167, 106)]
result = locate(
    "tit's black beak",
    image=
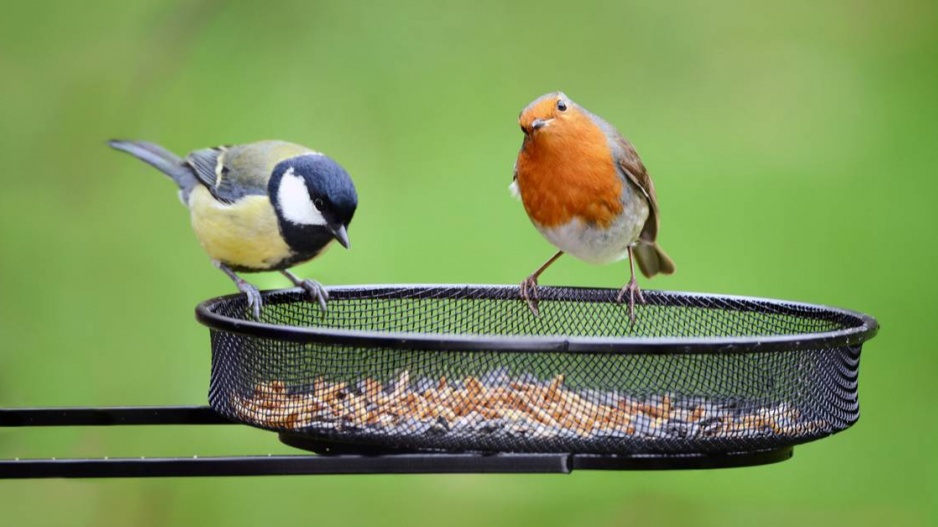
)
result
[(340, 234)]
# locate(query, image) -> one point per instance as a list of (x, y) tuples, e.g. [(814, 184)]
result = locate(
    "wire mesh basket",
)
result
[(470, 368)]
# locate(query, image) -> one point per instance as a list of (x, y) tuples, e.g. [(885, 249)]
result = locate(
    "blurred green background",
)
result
[(792, 144)]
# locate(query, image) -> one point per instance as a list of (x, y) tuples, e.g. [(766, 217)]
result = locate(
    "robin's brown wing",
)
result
[(632, 170), (631, 166)]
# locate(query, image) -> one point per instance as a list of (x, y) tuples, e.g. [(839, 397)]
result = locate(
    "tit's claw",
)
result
[(254, 298), (529, 294), (633, 290), (317, 292)]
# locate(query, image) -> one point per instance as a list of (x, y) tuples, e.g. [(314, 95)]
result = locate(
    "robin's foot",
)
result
[(254, 297), (529, 285), (529, 293), (632, 290)]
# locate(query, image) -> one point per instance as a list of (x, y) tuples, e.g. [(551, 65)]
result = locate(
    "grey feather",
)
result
[(232, 172), (206, 163), (163, 160)]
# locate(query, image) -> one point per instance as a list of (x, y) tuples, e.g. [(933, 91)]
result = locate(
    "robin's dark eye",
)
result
[(561, 106)]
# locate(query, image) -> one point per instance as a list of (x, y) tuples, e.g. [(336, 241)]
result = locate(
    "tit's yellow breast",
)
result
[(244, 234)]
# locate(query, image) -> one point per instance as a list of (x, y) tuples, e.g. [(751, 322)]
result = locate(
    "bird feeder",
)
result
[(448, 378)]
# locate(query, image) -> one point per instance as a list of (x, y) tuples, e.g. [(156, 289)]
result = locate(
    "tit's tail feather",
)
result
[(652, 259), (161, 159)]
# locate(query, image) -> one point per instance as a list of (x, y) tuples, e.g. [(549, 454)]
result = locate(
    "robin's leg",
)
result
[(316, 291), (529, 285), (254, 296), (632, 289)]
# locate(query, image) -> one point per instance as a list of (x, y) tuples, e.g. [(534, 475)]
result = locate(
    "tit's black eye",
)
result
[(318, 203), (561, 106)]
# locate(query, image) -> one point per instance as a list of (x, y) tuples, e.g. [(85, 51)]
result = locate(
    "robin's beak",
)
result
[(537, 124), (340, 234)]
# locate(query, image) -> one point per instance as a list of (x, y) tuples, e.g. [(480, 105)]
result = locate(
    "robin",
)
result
[(586, 191)]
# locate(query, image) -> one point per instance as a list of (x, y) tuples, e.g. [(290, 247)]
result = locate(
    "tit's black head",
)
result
[(315, 200), (330, 187)]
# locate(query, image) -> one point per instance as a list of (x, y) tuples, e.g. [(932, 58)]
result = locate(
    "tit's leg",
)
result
[(316, 291), (529, 285), (632, 289), (254, 296)]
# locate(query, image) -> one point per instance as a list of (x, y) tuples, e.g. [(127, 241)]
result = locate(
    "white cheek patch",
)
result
[(295, 203)]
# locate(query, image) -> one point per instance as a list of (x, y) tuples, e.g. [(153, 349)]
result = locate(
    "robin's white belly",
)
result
[(595, 244)]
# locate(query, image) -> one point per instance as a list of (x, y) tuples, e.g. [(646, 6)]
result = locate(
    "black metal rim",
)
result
[(355, 460), (865, 329), (662, 461)]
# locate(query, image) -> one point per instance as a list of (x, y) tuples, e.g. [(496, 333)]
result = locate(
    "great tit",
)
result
[(264, 206)]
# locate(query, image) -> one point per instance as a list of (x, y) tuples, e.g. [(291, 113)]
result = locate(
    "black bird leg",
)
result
[(254, 296), (316, 290)]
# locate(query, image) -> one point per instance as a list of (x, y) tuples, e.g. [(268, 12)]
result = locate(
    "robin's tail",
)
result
[(652, 259), (163, 160)]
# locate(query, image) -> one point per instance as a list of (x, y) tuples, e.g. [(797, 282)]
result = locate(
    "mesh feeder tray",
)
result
[(469, 368)]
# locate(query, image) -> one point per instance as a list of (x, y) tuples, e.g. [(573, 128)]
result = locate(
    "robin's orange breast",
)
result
[(569, 173)]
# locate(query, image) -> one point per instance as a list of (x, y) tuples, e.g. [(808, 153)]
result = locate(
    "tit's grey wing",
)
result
[(210, 170), (233, 172)]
